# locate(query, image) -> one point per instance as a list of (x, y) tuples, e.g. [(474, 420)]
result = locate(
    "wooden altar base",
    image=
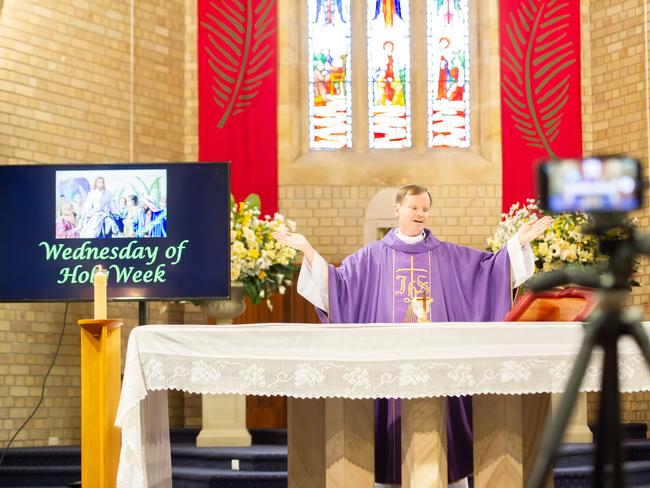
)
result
[(331, 442)]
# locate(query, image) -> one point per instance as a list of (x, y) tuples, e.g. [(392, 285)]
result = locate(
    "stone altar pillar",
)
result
[(224, 416)]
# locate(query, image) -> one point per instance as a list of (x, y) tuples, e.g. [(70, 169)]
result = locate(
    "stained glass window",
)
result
[(448, 72), (330, 80), (389, 80)]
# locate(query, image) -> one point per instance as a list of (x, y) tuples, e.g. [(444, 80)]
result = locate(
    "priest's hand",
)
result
[(296, 241), (533, 229)]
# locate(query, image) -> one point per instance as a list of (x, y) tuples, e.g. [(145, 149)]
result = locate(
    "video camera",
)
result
[(594, 185), (606, 188)]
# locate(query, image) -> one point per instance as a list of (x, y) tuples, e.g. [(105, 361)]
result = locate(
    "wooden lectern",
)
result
[(100, 393)]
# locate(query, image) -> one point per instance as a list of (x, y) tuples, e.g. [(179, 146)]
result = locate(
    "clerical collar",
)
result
[(409, 239)]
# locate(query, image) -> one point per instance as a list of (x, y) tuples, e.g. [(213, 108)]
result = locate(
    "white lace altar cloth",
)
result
[(349, 361)]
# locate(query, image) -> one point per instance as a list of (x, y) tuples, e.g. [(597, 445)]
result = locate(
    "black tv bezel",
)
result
[(127, 165)]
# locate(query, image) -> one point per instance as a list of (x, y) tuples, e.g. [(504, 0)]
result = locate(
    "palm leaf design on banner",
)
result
[(239, 34), (536, 69)]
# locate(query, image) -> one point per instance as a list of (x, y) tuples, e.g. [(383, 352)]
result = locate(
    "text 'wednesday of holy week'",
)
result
[(133, 251)]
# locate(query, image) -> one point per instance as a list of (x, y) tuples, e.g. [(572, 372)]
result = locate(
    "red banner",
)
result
[(540, 89), (237, 55)]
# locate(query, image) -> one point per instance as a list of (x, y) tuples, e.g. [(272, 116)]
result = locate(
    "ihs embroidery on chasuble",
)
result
[(411, 287)]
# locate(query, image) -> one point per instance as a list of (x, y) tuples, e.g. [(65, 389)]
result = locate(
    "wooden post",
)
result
[(507, 431), (349, 443), (424, 443), (306, 442), (100, 394)]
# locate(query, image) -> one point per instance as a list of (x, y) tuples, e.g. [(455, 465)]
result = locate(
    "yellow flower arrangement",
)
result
[(261, 264), (563, 244)]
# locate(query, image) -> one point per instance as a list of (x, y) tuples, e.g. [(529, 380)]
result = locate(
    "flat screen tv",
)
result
[(161, 230)]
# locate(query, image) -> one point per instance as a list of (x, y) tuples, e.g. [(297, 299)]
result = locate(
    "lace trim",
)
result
[(391, 379)]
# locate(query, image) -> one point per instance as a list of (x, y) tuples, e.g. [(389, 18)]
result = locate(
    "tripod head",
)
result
[(621, 250)]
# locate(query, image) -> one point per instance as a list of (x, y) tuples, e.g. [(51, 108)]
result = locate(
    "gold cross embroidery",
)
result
[(402, 279)]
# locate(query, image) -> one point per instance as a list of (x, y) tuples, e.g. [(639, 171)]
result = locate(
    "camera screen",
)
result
[(595, 184)]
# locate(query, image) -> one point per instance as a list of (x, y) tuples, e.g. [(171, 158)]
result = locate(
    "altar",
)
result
[(331, 373)]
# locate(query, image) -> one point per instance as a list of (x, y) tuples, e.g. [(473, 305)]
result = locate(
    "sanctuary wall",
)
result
[(103, 81)]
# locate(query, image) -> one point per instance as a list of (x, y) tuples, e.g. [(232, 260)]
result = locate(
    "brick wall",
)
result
[(617, 99), (332, 217), (90, 81)]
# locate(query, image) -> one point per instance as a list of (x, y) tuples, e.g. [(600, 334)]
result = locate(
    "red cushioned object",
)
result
[(557, 305)]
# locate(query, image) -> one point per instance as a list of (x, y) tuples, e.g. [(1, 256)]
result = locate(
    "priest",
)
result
[(411, 276)]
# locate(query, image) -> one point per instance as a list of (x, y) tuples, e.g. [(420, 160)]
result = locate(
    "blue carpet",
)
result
[(43, 456), (193, 477), (574, 463), (637, 475), (43, 476), (254, 458), (264, 465), (582, 454), (192, 467), (631, 430)]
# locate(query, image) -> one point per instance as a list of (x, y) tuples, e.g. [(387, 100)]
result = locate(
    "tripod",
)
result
[(605, 327)]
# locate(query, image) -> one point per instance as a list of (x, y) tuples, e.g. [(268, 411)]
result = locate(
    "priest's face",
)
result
[(412, 214)]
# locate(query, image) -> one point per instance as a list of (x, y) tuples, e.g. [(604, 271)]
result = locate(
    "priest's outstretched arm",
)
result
[(312, 281)]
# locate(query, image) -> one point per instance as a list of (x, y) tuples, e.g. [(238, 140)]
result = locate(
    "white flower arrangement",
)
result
[(563, 243), (256, 259)]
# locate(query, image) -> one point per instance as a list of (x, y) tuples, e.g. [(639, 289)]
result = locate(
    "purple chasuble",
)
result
[(389, 281)]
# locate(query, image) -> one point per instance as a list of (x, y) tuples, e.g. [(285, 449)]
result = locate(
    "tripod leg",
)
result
[(608, 458), (553, 433)]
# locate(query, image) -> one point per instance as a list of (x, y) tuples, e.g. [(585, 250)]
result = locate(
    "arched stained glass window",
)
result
[(330, 80), (389, 80), (388, 33), (448, 68)]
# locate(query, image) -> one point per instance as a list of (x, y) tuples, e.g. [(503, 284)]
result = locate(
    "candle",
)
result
[(99, 282)]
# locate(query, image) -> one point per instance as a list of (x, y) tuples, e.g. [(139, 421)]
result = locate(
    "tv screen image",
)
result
[(161, 230), (108, 204)]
